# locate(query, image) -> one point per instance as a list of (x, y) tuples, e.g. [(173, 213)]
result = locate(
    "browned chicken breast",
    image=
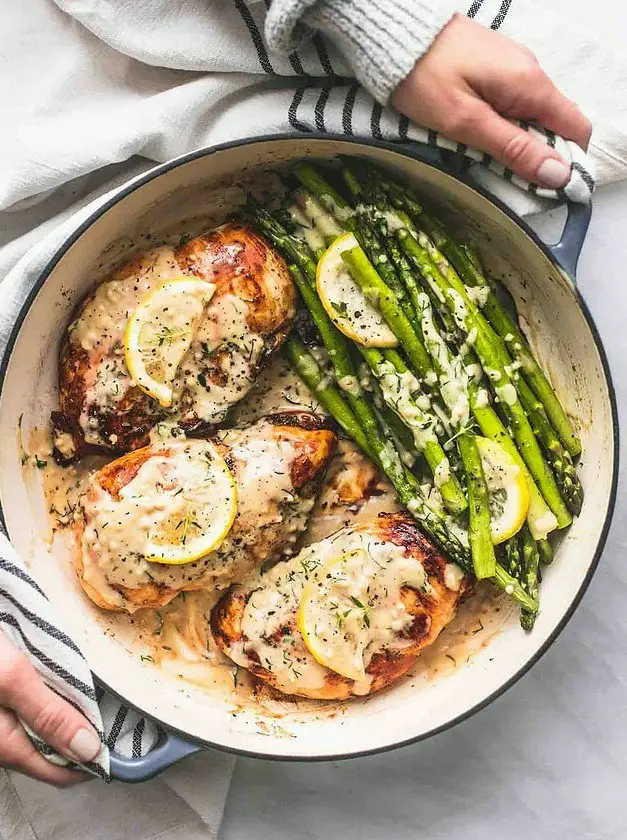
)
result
[(247, 318), (347, 616), (276, 465)]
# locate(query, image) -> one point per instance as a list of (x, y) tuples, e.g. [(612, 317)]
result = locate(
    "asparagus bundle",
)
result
[(458, 365)]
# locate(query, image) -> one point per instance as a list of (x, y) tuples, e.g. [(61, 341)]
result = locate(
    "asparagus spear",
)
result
[(400, 399), (545, 550), (489, 350), (513, 557), (530, 577), (539, 514), (409, 495), (466, 265), (378, 256), (558, 456), (483, 558), (327, 395)]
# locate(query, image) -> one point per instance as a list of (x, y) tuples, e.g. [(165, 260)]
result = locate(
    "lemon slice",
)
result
[(351, 605), (189, 497), (333, 624), (507, 487), (160, 331), (344, 301)]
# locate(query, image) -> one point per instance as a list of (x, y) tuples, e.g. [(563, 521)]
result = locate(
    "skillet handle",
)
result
[(567, 250), (168, 752)]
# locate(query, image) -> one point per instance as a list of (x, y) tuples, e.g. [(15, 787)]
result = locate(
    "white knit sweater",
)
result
[(381, 39)]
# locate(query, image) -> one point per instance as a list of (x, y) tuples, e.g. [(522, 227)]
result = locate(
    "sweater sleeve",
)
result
[(381, 39)]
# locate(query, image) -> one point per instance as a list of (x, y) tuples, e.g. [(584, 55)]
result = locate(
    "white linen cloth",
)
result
[(73, 103)]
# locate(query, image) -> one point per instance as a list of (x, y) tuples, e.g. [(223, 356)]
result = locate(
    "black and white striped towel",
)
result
[(31, 623), (159, 78)]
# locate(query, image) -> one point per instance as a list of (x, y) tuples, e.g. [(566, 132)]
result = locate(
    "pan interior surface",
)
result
[(206, 186)]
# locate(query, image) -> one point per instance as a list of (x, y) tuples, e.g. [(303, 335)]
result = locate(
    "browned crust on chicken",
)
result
[(431, 613), (315, 450), (238, 262), (234, 257)]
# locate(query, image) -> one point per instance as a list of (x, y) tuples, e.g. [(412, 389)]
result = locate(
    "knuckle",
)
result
[(525, 70), (50, 721), (527, 75), (517, 148), (467, 121), (458, 119)]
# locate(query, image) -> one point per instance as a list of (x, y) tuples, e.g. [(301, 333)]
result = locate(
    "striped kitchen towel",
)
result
[(158, 79), (31, 623)]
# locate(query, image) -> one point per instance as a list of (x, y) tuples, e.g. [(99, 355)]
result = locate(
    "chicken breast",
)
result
[(277, 465), (248, 317), (371, 596)]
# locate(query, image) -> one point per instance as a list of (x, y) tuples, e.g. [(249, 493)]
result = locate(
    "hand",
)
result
[(24, 695), (470, 79)]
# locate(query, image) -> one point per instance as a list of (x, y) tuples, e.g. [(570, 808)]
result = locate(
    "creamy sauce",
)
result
[(181, 495), (221, 364), (216, 371), (506, 393), (314, 239), (398, 391), (452, 373), (270, 517), (317, 216), (277, 389), (357, 626), (478, 294)]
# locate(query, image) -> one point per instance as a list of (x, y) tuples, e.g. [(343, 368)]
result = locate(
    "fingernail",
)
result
[(552, 173), (85, 745)]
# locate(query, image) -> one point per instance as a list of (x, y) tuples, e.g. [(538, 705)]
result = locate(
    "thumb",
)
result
[(517, 149), (49, 716)]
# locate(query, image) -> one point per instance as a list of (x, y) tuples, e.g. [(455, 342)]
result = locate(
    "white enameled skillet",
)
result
[(541, 279)]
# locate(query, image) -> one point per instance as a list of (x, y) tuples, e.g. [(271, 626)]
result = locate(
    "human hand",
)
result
[(24, 695), (471, 79)]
